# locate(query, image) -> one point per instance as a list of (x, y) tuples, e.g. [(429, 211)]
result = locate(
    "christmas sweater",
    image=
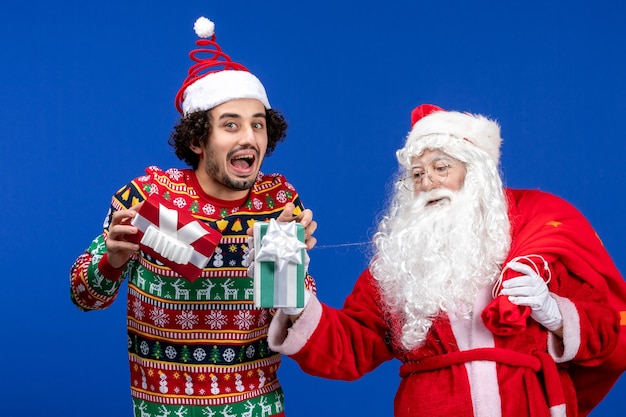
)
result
[(465, 369), (195, 348)]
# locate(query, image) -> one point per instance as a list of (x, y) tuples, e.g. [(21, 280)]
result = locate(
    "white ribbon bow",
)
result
[(170, 242), (280, 244)]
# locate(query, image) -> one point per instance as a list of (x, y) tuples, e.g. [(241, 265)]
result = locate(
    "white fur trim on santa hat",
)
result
[(222, 86), (471, 128)]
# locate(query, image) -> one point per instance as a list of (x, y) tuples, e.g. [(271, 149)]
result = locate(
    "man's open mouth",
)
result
[(243, 162)]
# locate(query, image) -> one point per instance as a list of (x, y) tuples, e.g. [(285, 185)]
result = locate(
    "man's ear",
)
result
[(195, 148)]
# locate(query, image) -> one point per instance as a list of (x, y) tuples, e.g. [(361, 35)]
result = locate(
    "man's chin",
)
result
[(239, 184)]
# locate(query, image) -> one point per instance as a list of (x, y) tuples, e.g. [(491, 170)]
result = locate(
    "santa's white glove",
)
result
[(292, 311), (296, 311), (532, 291)]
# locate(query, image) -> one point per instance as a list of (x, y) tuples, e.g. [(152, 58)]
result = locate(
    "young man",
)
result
[(498, 302), (199, 347)]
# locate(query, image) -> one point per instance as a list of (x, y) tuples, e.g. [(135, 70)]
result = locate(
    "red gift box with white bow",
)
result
[(174, 237)]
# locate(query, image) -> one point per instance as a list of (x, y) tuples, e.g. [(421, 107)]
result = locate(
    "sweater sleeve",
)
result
[(335, 343), (94, 283)]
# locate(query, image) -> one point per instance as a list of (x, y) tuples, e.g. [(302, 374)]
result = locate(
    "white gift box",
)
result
[(279, 264)]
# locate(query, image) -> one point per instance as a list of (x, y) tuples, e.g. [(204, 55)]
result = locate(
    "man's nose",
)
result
[(247, 135)]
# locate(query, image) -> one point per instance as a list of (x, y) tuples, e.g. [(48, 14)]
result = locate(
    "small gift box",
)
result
[(174, 237), (279, 264)]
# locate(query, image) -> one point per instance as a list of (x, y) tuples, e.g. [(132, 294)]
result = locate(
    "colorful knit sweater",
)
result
[(195, 349)]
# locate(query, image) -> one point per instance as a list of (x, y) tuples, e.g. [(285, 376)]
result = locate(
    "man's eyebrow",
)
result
[(238, 116), (229, 116)]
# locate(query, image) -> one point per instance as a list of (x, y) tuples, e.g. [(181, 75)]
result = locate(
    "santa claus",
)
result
[(493, 299)]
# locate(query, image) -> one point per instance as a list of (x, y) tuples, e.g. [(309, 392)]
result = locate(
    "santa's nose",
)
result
[(428, 184)]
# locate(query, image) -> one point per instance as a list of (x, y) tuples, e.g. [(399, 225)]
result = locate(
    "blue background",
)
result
[(87, 103)]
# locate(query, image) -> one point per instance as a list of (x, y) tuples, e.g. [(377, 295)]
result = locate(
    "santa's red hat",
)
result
[(434, 127), (214, 78)]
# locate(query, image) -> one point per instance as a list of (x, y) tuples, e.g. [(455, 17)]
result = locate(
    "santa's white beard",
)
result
[(433, 258)]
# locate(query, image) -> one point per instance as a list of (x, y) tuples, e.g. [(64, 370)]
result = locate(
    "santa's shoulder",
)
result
[(534, 200)]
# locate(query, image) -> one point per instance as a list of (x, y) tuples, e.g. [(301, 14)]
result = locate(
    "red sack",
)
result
[(546, 225)]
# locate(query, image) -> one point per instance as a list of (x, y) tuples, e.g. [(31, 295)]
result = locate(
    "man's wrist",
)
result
[(109, 271)]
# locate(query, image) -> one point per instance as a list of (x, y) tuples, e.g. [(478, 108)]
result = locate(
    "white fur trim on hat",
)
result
[(222, 86), (472, 128)]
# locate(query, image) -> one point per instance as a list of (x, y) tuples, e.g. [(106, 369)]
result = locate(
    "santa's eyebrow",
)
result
[(436, 158), (440, 157)]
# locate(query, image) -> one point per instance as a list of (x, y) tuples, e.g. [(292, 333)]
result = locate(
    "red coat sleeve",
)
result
[(349, 342)]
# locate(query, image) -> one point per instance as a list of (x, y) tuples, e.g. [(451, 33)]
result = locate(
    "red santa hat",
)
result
[(214, 78), (434, 127)]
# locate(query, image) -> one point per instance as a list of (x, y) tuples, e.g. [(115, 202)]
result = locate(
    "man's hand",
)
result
[(532, 291), (251, 255), (119, 250), (305, 219)]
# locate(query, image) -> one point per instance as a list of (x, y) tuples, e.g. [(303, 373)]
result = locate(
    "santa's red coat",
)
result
[(463, 368)]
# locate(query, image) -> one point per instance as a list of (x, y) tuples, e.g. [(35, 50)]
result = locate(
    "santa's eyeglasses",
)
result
[(437, 173)]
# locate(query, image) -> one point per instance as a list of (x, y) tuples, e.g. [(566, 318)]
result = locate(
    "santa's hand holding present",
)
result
[(532, 291)]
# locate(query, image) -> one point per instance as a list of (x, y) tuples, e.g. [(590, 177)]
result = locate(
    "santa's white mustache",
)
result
[(434, 197)]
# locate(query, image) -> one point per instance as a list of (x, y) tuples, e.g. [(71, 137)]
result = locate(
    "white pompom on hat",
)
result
[(433, 126), (215, 79)]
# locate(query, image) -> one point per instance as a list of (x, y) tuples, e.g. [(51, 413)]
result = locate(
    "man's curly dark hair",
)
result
[(195, 129)]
